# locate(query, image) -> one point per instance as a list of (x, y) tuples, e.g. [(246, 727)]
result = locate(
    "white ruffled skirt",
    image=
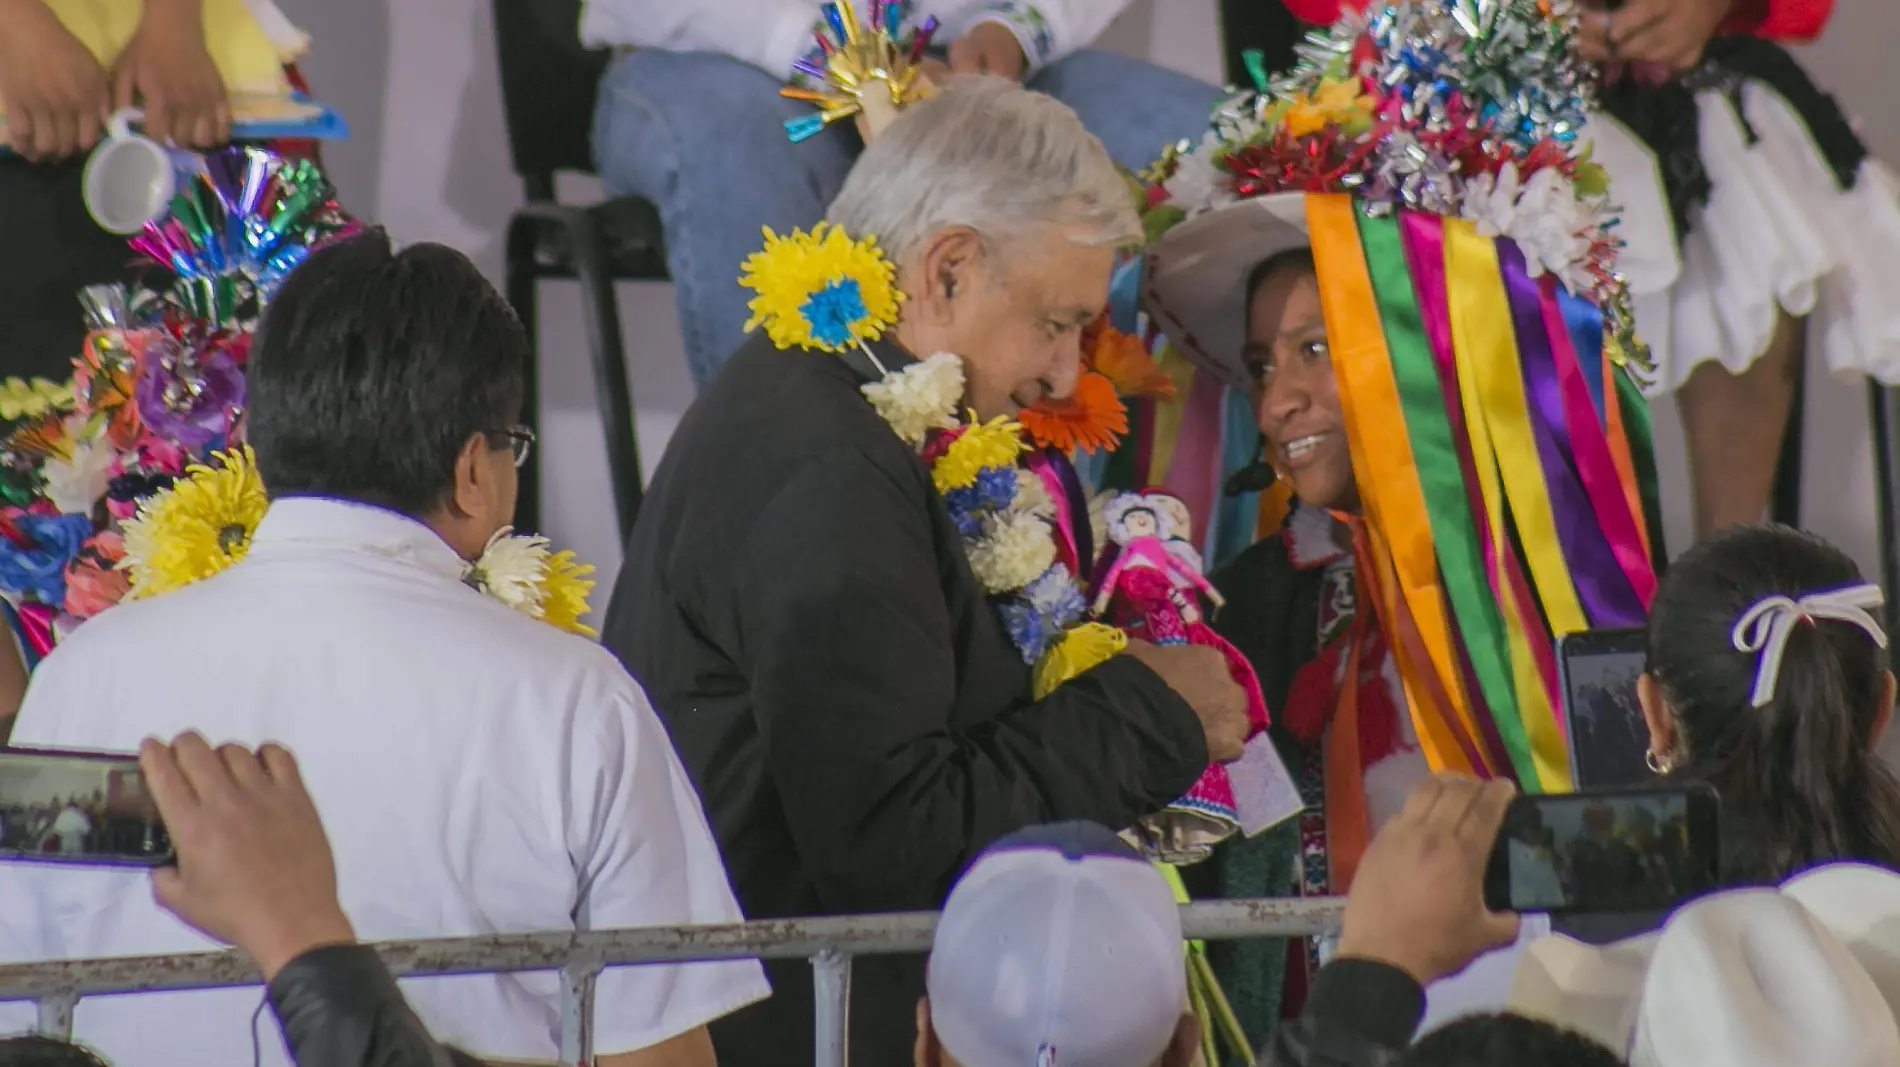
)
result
[(1778, 233)]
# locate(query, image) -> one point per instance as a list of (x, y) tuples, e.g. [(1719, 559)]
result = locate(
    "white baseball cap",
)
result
[(1060, 947), (1746, 978)]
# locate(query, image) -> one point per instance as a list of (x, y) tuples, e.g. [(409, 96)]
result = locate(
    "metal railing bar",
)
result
[(853, 935), (831, 1001)]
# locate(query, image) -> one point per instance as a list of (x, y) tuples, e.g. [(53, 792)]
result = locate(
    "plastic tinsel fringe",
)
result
[(235, 232), (1496, 462), (859, 59), (159, 383)]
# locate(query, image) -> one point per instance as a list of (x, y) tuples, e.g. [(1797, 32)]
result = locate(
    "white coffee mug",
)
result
[(130, 179)]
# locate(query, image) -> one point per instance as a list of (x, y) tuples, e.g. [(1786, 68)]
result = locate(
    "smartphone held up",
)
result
[(1621, 851), (78, 808)]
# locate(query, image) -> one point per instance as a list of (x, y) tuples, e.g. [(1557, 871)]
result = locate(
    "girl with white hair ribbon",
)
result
[(1768, 678)]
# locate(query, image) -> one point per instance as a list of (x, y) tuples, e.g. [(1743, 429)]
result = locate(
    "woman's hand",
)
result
[(1670, 34), (989, 48), (54, 93), (168, 71)]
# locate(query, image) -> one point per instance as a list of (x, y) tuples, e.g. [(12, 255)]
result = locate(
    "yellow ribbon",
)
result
[(1481, 329), (1383, 464)]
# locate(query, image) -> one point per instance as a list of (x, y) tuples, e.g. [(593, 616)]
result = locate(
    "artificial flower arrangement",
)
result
[(825, 290), (133, 479)]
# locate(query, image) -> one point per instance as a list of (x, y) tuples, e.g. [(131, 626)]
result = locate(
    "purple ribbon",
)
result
[(1608, 599)]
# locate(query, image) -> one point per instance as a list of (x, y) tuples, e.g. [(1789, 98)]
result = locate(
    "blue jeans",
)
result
[(702, 135)]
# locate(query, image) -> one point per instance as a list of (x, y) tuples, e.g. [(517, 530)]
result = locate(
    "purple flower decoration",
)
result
[(189, 395)]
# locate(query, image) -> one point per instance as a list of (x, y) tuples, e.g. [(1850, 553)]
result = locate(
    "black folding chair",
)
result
[(548, 86)]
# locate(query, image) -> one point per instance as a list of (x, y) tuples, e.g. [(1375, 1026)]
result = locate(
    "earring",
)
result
[(1658, 765)]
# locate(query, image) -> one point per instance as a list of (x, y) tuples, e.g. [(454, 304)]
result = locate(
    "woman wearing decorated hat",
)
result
[(1786, 232), (1402, 252)]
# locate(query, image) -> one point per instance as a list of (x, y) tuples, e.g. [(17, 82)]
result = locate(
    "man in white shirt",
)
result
[(70, 829), (690, 118), (479, 770)]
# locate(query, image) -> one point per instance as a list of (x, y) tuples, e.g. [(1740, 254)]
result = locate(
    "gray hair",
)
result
[(988, 154)]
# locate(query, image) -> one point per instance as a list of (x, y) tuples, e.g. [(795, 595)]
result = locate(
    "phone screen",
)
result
[(1608, 737), (66, 807), (1627, 851)]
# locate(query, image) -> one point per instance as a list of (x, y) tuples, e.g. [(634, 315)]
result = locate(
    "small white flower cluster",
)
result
[(920, 398), (1550, 223), (511, 569), (1199, 184), (1014, 549), (74, 483)]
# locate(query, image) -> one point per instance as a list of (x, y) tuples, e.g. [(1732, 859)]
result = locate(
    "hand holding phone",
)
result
[(254, 867), (1417, 900), (1622, 851)]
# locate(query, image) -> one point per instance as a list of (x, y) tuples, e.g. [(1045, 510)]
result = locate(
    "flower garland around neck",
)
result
[(203, 524), (826, 291)]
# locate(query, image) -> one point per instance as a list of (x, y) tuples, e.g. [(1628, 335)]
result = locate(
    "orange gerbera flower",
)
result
[(1090, 419), (1125, 361)]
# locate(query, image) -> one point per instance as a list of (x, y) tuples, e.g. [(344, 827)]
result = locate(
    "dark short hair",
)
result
[(373, 368), (1799, 778), (1506, 1041), (31, 1050)]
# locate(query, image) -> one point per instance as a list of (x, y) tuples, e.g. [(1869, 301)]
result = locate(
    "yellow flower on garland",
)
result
[(1088, 645), (995, 443), (1337, 102), (196, 528), (564, 588), (32, 398), (821, 289)]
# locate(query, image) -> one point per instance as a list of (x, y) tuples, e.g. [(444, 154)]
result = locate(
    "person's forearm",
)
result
[(1360, 1013), (339, 1007), (1111, 746), (768, 34), (1051, 29)]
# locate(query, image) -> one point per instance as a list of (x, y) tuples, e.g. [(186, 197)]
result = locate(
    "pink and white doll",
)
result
[(1148, 534), (1152, 590)]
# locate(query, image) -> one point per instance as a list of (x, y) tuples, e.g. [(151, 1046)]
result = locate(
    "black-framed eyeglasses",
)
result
[(520, 442)]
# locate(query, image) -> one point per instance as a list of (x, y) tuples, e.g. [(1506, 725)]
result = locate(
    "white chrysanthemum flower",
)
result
[(920, 398), (1543, 216), (1491, 202), (1198, 184), (1013, 551), (1032, 496), (510, 570), (75, 484)]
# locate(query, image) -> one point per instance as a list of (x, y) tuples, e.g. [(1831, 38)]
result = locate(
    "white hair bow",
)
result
[(1764, 628)]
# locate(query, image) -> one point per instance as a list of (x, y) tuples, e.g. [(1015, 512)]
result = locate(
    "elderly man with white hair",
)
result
[(797, 600), (689, 116)]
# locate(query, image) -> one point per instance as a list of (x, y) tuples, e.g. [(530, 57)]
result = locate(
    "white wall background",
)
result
[(418, 82)]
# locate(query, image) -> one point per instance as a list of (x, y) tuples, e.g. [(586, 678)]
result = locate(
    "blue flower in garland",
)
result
[(833, 311), (1057, 597), (1029, 631), (994, 490), (36, 570)]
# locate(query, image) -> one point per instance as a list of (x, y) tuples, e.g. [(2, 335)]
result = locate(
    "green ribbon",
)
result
[(1441, 477)]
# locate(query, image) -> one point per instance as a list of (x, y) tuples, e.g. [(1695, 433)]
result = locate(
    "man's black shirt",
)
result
[(797, 603)]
